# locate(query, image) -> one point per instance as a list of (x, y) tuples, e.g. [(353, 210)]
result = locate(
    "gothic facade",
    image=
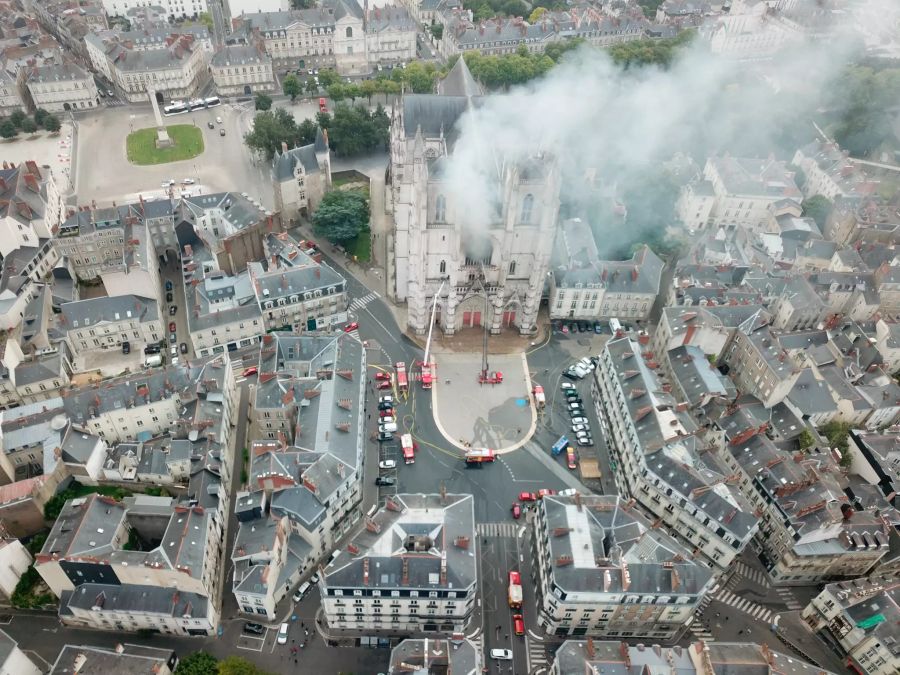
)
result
[(487, 273)]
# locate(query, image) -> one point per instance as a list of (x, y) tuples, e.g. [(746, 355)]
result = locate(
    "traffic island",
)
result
[(142, 148), (496, 415)]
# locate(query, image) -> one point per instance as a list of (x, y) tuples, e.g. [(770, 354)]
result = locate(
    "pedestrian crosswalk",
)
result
[(788, 598), (744, 605), (758, 577), (701, 632), (497, 529), (537, 654), (359, 303)]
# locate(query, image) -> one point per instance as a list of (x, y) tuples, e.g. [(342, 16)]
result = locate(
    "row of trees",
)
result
[(649, 52), (19, 121), (865, 100), (488, 9), (204, 663), (352, 130)]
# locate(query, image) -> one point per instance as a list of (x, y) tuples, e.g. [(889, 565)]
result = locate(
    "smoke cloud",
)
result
[(620, 125)]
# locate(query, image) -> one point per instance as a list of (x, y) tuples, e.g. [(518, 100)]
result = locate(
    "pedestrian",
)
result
[(507, 636)]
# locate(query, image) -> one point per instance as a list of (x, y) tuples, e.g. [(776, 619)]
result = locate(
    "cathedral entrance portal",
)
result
[(471, 319)]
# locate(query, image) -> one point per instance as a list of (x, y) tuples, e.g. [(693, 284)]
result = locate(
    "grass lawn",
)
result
[(141, 145), (360, 246)]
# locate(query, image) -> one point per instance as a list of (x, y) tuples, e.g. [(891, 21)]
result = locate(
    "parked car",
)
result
[(598, 327), (218, 120), (172, 327), (575, 405), (283, 633), (151, 349), (576, 412), (585, 442), (386, 399), (252, 370), (221, 132), (516, 510), (188, 181), (387, 464), (173, 310), (390, 427), (383, 384), (254, 628), (384, 436), (388, 412), (571, 460), (169, 285), (568, 492), (545, 492), (502, 654), (183, 347), (126, 347), (169, 297), (579, 428), (385, 406), (567, 386), (173, 339), (350, 327), (580, 420), (167, 184), (527, 497), (384, 481), (382, 376), (518, 624), (387, 419), (211, 125), (571, 394)]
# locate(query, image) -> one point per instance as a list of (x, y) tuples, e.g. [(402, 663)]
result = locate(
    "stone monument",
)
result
[(162, 136)]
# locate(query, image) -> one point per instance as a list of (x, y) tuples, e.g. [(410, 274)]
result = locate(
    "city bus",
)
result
[(212, 102), (197, 104), (176, 108)]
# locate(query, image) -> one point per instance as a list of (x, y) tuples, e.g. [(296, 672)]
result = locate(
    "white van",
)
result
[(282, 634), (302, 591)]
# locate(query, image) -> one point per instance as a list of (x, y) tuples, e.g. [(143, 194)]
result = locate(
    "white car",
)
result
[(570, 492), (386, 399), (283, 634), (218, 120), (167, 183), (388, 428), (502, 654), (581, 429), (567, 385), (580, 420), (387, 420), (387, 464), (575, 406), (188, 181)]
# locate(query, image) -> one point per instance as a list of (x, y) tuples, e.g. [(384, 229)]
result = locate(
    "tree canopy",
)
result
[(274, 127), (649, 52), (263, 102), (817, 207), (291, 87), (865, 99), (353, 130), (341, 215), (198, 663), (238, 665)]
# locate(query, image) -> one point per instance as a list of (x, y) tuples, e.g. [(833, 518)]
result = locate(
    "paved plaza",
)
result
[(497, 416), (53, 150)]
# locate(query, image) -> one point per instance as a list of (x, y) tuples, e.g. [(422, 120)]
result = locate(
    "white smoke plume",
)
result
[(590, 114)]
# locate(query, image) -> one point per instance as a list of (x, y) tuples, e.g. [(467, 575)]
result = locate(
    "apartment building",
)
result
[(106, 323), (830, 172), (305, 296), (223, 313), (757, 363), (659, 458), (125, 658), (576, 657), (14, 562), (242, 70), (13, 659), (742, 190), (390, 36), (63, 87), (604, 570), (306, 485), (30, 206), (70, 21), (436, 657), (301, 177), (10, 96), (798, 307), (858, 619), (584, 287), (176, 69), (303, 38), (413, 568), (173, 9), (809, 530), (157, 568)]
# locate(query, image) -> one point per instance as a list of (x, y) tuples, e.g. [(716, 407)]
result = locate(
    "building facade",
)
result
[(61, 88), (242, 70)]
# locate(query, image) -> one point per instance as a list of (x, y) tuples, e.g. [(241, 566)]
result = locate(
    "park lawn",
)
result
[(360, 247), (141, 145)]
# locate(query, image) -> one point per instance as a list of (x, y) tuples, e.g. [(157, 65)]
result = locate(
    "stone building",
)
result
[(301, 177), (491, 274)]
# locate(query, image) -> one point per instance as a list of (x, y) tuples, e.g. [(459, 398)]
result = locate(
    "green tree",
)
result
[(806, 439), (51, 123), (198, 663), (817, 207), (353, 92), (306, 132), (369, 88), (311, 86), (302, 4), (328, 77), (28, 126), (650, 7), (649, 52), (437, 30), (291, 87), (206, 19), (238, 665), (39, 116), (341, 216), (864, 99), (536, 15), (263, 102), (17, 118), (837, 434), (353, 130), (337, 92), (270, 129)]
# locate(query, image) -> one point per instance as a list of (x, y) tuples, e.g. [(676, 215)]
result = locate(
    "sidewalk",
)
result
[(796, 634)]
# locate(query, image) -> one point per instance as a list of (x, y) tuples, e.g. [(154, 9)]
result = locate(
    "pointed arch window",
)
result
[(443, 267), (440, 209), (527, 208)]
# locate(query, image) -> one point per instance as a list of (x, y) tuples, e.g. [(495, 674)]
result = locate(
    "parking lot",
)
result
[(105, 175)]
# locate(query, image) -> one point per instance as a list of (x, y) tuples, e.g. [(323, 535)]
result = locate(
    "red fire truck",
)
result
[(479, 455), (402, 382), (409, 448)]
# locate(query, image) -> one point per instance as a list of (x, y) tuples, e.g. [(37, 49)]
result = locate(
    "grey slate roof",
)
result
[(459, 81), (132, 660), (436, 657), (57, 73), (284, 163), (134, 599), (424, 522), (608, 540), (112, 309), (696, 377), (237, 55)]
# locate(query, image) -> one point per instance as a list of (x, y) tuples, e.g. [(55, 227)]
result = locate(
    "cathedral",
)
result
[(485, 274)]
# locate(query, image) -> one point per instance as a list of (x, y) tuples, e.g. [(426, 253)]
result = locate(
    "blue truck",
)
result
[(559, 446)]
